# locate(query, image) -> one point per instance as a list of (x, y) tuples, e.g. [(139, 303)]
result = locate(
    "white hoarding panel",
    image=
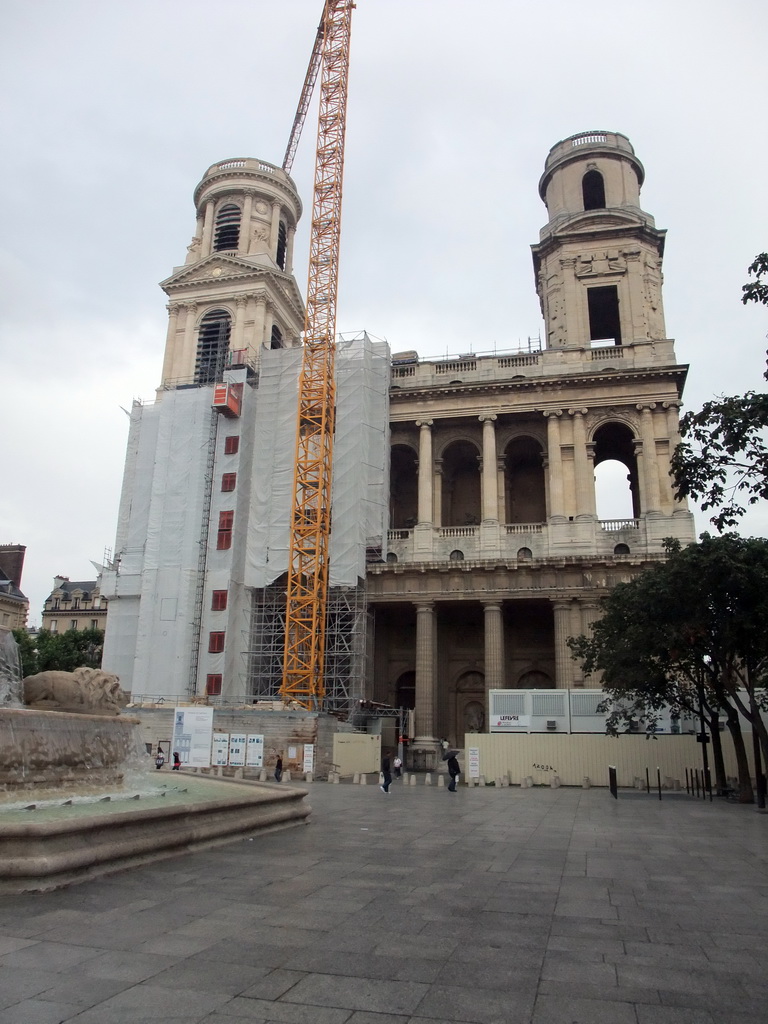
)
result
[(192, 733), (237, 743), (309, 757)]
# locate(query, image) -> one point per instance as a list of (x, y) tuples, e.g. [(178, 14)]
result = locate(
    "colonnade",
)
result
[(569, 464), (255, 316), (571, 618)]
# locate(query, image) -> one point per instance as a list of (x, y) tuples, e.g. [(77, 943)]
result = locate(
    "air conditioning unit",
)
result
[(551, 724)]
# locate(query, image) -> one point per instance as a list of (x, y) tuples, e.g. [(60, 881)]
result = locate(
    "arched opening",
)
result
[(456, 555), (593, 190), (391, 557), (227, 235), (617, 490), (282, 244), (535, 679), (524, 493), (470, 703), (461, 485), (524, 555), (405, 691), (621, 549), (276, 340), (403, 488), (212, 346)]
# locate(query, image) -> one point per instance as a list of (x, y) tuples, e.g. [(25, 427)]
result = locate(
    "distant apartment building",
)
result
[(74, 605), (14, 606)]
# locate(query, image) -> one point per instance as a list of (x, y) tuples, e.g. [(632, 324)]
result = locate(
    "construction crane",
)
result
[(307, 587)]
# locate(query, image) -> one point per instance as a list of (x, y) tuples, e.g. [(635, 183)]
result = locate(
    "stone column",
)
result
[(185, 367), (205, 248), (237, 334), (259, 320), (672, 410), (585, 480), (170, 341), (245, 223), (501, 489), (563, 660), (490, 480), (425, 471), (269, 320), (650, 469), (437, 493), (555, 464), (426, 674), (274, 229), (494, 647), (289, 251)]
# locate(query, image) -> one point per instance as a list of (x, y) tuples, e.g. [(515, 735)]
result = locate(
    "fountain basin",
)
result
[(85, 841)]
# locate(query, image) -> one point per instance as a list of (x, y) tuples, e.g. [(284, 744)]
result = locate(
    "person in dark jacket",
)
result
[(279, 768), (454, 771), (176, 761), (385, 771)]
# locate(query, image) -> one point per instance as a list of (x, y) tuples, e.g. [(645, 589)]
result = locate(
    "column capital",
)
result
[(578, 412), (645, 406), (424, 423), (426, 605), (488, 417), (490, 603), (174, 308), (546, 413), (671, 405), (241, 301)]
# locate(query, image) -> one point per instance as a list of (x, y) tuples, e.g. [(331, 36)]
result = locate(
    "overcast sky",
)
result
[(112, 112)]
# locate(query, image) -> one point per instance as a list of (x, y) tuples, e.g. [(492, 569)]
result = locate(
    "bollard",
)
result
[(336, 778), (363, 779), (286, 776), (505, 781), (413, 780), (220, 772), (497, 782), (585, 783), (356, 779), (441, 782), (309, 777), (529, 781), (554, 782), (263, 775), (428, 779)]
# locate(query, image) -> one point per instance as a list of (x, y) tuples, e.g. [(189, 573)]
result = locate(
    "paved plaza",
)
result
[(493, 906)]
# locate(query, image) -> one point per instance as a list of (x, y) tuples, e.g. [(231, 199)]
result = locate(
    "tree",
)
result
[(690, 634), (67, 651), (27, 652), (722, 459)]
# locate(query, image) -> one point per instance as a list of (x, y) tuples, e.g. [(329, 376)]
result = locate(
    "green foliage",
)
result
[(27, 652), (722, 459), (691, 629), (67, 651)]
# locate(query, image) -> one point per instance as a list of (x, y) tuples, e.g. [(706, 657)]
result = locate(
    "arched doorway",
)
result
[(461, 485), (469, 706), (524, 495), (617, 490)]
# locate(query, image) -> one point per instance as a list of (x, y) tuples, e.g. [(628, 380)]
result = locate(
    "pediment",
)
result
[(219, 267)]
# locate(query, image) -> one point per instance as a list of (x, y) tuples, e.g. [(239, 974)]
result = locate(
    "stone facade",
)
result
[(74, 605), (496, 552)]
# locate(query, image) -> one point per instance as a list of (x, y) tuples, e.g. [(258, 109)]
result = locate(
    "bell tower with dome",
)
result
[(235, 294)]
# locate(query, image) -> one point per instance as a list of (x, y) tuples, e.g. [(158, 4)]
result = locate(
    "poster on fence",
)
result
[(309, 757), (237, 750), (254, 751), (220, 748), (473, 762)]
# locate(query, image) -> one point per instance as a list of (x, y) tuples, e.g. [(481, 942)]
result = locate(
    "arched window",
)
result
[(524, 555), (212, 346), (621, 549), (282, 242), (524, 489), (617, 488), (593, 191), (227, 236), (403, 488), (276, 341), (457, 556), (460, 485)]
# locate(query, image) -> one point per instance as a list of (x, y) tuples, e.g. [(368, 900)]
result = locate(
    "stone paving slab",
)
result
[(487, 906)]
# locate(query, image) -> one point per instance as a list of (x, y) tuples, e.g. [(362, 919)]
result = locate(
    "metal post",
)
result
[(647, 782), (658, 780), (759, 777)]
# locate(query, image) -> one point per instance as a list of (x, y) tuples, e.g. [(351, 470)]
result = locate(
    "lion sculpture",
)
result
[(86, 691)]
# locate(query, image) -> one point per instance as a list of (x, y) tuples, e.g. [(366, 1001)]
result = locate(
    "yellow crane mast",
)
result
[(307, 589)]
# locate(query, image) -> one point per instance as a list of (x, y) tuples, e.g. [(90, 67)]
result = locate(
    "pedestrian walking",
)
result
[(279, 768), (159, 758), (454, 771), (398, 765), (176, 761), (386, 772)]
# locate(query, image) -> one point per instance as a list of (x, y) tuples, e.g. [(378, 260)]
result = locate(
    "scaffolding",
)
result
[(348, 629)]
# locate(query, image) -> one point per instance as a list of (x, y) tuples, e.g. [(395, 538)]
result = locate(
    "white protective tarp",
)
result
[(360, 462)]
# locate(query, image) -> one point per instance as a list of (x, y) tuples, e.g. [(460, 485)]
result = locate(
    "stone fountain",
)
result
[(77, 798)]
